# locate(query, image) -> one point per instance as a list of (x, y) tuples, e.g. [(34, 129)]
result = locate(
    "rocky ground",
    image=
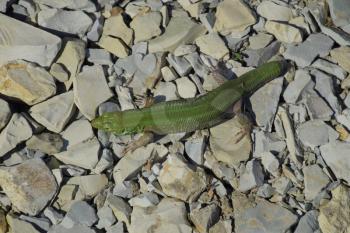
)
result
[(281, 167)]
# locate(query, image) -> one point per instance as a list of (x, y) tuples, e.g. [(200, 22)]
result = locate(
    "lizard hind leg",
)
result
[(146, 138)]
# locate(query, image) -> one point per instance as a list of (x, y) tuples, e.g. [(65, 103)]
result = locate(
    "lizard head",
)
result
[(113, 122)]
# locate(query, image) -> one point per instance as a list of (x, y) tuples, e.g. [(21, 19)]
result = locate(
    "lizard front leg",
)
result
[(146, 138)]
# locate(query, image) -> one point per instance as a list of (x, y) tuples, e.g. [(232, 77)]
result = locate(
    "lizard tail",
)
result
[(254, 79)]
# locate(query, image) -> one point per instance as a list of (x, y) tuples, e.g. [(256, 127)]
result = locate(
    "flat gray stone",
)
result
[(42, 223), (5, 113), (17, 225), (84, 154), (52, 214), (260, 56), (85, 5), (252, 176), (272, 11), (99, 57), (61, 21), (76, 132), (169, 215), (330, 68), (264, 103), (80, 213), (74, 229), (325, 87), (180, 30), (195, 149), (180, 64), (206, 217), (315, 133), (55, 112), (260, 40), (19, 40), (90, 90), (106, 217), (270, 163), (317, 107), (305, 53), (282, 185), (264, 217), (315, 180), (335, 154), (96, 29), (15, 132), (294, 89), (308, 223), (29, 185), (121, 209), (340, 12)]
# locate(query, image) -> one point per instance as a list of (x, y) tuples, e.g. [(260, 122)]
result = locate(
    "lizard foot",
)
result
[(147, 137)]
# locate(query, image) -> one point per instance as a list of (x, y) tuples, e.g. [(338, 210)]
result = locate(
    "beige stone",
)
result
[(3, 222), (26, 82), (233, 16), (30, 185), (114, 45), (19, 226), (146, 26), (284, 32), (334, 216), (181, 30), (115, 26), (342, 56), (230, 141), (72, 58), (212, 45), (180, 181), (194, 9)]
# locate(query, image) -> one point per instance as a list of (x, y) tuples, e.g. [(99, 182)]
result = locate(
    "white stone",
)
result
[(146, 26), (185, 87), (180, 181), (185, 49), (233, 16), (30, 185), (212, 45), (169, 215), (315, 180), (284, 32), (19, 40), (78, 131), (5, 113), (204, 218), (272, 11), (90, 90), (165, 91), (26, 82), (84, 154), (335, 154), (16, 131), (62, 21), (180, 30), (47, 143), (55, 112)]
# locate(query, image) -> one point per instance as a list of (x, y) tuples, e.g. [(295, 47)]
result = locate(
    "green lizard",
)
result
[(186, 115)]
